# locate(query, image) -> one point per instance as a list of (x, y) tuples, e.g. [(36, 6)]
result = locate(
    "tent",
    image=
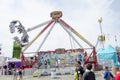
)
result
[(16, 61), (108, 53)]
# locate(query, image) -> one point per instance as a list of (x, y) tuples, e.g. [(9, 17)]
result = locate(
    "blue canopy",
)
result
[(108, 53)]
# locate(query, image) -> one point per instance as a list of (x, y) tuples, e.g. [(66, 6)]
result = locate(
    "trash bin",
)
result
[(53, 74)]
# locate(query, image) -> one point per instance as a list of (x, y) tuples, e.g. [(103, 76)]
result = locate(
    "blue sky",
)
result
[(82, 15)]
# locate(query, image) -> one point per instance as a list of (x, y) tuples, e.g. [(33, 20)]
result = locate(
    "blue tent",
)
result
[(108, 53)]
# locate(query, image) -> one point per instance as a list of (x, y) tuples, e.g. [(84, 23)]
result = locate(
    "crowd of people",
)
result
[(45, 63), (17, 72), (88, 74), (81, 73), (11, 69)]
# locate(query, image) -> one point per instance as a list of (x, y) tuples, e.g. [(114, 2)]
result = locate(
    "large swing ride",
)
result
[(56, 18)]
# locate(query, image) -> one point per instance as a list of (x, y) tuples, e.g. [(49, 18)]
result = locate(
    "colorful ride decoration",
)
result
[(102, 37), (56, 14), (60, 54), (16, 50), (56, 18), (23, 40)]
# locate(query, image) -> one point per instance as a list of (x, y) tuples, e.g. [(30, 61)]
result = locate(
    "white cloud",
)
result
[(82, 15)]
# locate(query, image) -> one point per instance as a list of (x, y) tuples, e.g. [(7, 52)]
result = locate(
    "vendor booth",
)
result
[(14, 62), (108, 54)]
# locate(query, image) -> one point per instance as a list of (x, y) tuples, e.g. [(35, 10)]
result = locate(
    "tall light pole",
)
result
[(102, 37), (100, 21)]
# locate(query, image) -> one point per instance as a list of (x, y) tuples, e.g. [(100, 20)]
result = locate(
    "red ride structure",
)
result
[(56, 18)]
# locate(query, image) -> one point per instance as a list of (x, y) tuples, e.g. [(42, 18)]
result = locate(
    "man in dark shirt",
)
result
[(80, 70), (88, 75)]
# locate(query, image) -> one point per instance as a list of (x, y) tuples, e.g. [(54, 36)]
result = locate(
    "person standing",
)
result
[(88, 75), (48, 63), (59, 63), (20, 74), (107, 75), (45, 63), (15, 73), (80, 70), (116, 72), (76, 75), (5, 68)]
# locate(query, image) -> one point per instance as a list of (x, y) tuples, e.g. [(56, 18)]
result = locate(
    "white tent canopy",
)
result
[(14, 60)]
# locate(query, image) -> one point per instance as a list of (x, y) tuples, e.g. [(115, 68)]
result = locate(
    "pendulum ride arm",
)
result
[(76, 33), (46, 37), (68, 31), (38, 35), (37, 26)]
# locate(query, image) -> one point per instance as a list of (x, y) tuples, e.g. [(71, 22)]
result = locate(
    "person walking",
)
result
[(89, 74), (107, 75), (116, 72)]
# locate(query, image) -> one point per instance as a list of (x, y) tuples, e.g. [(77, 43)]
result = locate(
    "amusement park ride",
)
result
[(56, 18)]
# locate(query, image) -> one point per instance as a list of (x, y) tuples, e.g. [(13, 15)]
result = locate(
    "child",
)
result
[(76, 75)]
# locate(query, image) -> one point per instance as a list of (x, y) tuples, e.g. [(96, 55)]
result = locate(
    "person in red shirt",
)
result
[(116, 71)]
